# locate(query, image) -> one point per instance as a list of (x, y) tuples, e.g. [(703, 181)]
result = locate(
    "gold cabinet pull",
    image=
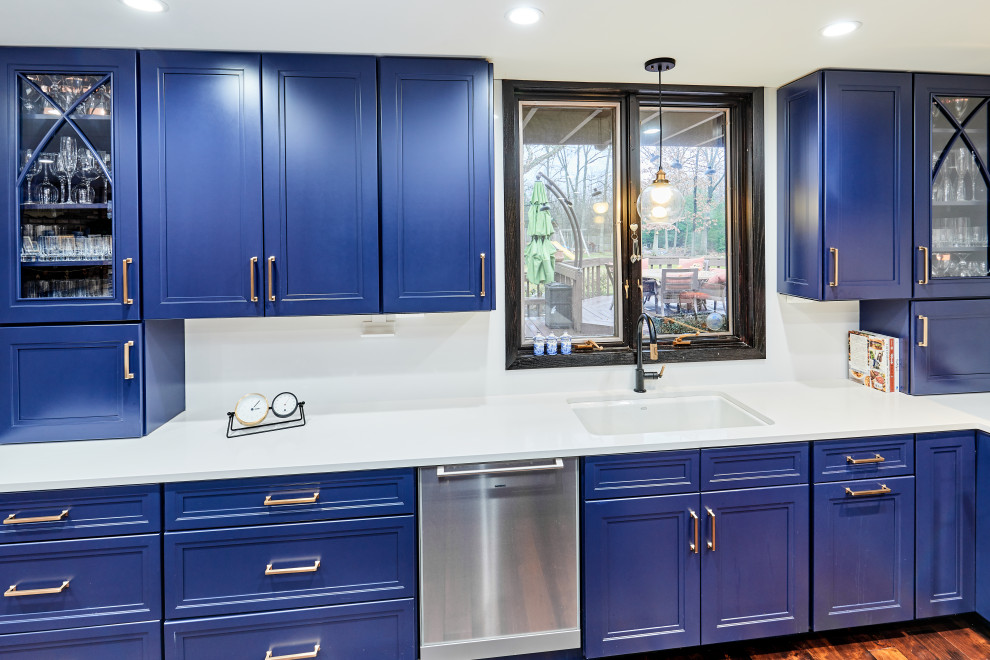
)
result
[(127, 361), (482, 274), (924, 331), (12, 519), (835, 266), (711, 543), (14, 593), (254, 267), (627, 289), (296, 500), (294, 656), (924, 250), (877, 458), (694, 516), (289, 571), (883, 490), (271, 291), (123, 271)]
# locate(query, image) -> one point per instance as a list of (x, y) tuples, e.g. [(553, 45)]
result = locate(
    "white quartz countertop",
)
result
[(468, 431)]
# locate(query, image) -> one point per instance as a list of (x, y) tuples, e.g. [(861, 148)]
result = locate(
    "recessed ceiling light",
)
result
[(156, 6), (524, 15), (651, 131), (840, 28)]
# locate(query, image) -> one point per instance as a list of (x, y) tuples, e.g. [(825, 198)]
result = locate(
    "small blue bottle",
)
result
[(565, 344), (539, 344), (551, 344)]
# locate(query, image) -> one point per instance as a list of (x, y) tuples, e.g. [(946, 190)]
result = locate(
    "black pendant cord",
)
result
[(660, 112)]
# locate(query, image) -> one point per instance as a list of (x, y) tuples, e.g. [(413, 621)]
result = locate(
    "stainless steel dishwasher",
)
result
[(498, 559)]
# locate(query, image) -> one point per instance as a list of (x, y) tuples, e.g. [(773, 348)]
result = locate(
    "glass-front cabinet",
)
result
[(70, 160), (952, 216)]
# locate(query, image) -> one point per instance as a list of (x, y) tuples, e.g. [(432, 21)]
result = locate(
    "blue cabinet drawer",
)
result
[(80, 513), (369, 631), (749, 467), (251, 569), (64, 584), (298, 498), (629, 475), (864, 458), (128, 641)]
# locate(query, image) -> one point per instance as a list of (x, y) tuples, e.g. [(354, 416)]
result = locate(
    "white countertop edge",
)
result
[(501, 428)]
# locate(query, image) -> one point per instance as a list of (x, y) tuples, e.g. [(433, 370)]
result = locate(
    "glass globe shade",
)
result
[(600, 207), (660, 202)]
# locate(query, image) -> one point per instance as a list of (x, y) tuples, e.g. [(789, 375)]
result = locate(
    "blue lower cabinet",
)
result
[(65, 584), (946, 517), (754, 563), (982, 604), (641, 574), (251, 569), (384, 630), (83, 382), (128, 641), (863, 552)]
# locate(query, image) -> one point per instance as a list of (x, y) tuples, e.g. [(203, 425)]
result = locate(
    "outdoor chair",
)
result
[(677, 285)]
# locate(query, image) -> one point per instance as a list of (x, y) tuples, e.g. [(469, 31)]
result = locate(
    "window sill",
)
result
[(701, 350)]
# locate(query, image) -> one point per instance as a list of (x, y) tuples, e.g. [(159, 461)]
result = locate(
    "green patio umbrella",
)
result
[(539, 253)]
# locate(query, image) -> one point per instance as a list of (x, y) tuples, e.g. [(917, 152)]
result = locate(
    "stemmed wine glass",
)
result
[(89, 169), (66, 165), (46, 192), (32, 172), (29, 98)]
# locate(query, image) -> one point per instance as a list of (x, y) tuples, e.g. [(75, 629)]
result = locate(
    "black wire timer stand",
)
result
[(298, 419)]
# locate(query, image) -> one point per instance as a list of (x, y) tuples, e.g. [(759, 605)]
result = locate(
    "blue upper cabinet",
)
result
[(68, 162), (201, 184), (321, 184), (844, 181), (952, 173), (85, 382), (436, 185)]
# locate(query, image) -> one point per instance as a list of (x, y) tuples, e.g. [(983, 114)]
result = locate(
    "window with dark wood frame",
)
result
[(745, 214)]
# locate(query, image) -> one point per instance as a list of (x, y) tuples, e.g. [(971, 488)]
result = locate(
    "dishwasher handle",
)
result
[(558, 464)]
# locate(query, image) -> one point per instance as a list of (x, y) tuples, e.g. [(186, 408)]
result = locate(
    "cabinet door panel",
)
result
[(321, 183), (982, 604), (951, 361), (111, 136), (946, 518), (867, 190), (864, 553), (67, 383), (755, 579), (641, 577), (201, 184), (436, 135)]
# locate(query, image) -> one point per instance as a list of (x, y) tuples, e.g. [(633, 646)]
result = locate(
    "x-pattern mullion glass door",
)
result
[(953, 241), (71, 259)]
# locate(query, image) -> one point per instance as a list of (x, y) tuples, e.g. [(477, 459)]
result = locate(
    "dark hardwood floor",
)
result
[(948, 638)]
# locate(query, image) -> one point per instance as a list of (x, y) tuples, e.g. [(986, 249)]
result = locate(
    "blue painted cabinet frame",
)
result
[(436, 185), (970, 132), (946, 524), (121, 66), (321, 184), (845, 183), (202, 236)]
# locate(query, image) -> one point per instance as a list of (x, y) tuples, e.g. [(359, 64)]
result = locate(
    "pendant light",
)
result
[(660, 202)]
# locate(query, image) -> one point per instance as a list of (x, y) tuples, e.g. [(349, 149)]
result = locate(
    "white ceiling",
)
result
[(738, 42)]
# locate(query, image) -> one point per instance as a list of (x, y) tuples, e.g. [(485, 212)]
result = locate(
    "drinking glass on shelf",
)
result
[(46, 192), (940, 265), (30, 99)]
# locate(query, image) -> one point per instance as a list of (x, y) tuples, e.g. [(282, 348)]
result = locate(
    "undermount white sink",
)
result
[(664, 413)]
